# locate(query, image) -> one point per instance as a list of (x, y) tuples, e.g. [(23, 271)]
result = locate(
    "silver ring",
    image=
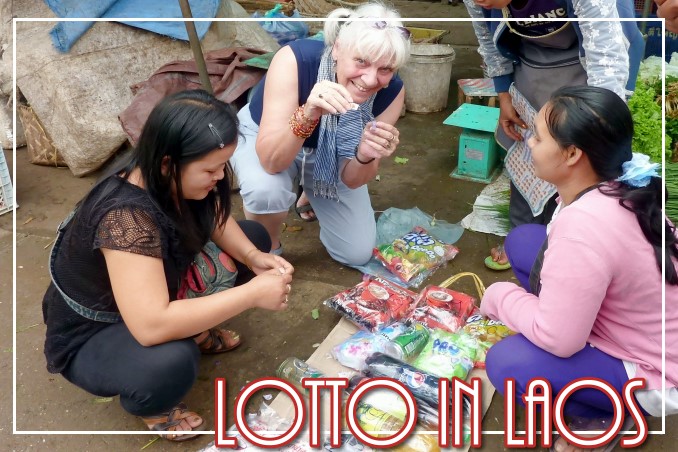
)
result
[(289, 288), (286, 299)]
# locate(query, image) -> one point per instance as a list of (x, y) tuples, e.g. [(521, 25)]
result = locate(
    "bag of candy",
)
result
[(447, 355), (415, 256), (354, 351), (438, 307), (373, 303), (486, 332)]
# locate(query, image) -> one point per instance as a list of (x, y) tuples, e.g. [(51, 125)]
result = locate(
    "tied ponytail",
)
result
[(641, 192)]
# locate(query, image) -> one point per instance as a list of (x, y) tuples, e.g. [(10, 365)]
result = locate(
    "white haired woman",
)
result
[(323, 117)]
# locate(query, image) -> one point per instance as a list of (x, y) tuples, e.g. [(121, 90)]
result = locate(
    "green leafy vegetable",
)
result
[(671, 182), (647, 122)]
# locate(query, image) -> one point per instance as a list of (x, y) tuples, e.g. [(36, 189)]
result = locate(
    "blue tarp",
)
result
[(65, 34)]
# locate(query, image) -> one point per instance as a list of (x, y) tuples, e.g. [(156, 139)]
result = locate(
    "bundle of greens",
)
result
[(647, 121), (672, 189), (645, 106), (499, 210), (671, 104)]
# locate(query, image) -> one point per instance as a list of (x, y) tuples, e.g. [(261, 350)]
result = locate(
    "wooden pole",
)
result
[(195, 46)]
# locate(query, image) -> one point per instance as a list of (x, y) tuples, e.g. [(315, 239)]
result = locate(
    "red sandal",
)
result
[(218, 340), (171, 422)]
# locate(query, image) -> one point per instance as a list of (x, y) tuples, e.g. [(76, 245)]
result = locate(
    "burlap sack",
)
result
[(79, 95)]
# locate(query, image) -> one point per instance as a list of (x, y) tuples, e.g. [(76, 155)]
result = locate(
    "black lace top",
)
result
[(115, 215)]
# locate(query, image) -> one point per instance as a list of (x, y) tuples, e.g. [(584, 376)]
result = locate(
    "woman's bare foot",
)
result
[(177, 419), (304, 209), (497, 260), (499, 255)]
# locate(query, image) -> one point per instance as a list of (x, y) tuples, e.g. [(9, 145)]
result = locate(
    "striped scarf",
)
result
[(339, 136)]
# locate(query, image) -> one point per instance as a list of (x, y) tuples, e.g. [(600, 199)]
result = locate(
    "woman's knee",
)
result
[(266, 193), (257, 234), (169, 373), (353, 254), (511, 358), (525, 235)]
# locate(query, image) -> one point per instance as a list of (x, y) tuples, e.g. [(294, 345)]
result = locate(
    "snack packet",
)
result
[(438, 307), (447, 355), (373, 303), (486, 332), (354, 351), (415, 256)]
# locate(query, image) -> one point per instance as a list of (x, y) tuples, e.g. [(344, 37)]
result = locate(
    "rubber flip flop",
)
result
[(493, 265), (306, 208)]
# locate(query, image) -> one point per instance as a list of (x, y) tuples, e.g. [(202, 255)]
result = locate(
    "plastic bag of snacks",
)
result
[(354, 351), (415, 256), (373, 303), (447, 355), (438, 307), (486, 332)]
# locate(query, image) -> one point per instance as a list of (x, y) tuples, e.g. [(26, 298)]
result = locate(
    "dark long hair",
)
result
[(184, 127), (599, 123)]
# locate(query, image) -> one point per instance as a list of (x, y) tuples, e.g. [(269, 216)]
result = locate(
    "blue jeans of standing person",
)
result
[(150, 380), (518, 358)]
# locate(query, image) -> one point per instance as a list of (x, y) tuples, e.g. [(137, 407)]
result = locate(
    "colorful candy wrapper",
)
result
[(373, 303), (486, 332), (447, 355), (438, 307), (354, 351), (415, 256)]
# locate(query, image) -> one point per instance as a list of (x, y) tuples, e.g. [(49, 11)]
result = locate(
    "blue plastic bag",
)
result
[(394, 223), (283, 31)]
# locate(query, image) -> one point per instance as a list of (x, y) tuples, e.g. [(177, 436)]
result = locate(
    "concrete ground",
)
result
[(46, 402)]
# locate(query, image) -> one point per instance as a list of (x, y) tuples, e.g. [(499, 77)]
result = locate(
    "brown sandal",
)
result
[(171, 421), (218, 340)]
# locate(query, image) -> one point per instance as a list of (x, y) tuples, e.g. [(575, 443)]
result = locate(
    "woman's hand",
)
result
[(327, 97), (668, 9), (379, 140), (508, 117), (261, 262), (271, 289)]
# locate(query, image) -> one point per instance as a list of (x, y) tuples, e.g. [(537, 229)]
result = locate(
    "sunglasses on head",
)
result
[(382, 24)]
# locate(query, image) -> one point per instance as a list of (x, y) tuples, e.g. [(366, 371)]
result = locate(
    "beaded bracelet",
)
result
[(301, 125), (360, 161)]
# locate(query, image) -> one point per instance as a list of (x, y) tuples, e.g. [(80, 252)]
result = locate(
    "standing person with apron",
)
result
[(538, 57)]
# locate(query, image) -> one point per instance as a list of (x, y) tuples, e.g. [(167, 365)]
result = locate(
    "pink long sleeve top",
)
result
[(601, 285)]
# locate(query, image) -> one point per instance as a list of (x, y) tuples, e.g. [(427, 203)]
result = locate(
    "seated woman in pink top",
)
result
[(590, 305)]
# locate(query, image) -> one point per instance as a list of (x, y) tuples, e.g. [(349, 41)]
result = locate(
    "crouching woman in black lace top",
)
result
[(146, 240)]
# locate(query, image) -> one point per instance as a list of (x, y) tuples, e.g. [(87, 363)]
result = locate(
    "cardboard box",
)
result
[(322, 360)]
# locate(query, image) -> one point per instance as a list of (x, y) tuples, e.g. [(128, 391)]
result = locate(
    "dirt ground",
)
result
[(46, 402)]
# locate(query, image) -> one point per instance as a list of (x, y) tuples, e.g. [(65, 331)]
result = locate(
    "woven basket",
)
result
[(41, 150), (346, 4)]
